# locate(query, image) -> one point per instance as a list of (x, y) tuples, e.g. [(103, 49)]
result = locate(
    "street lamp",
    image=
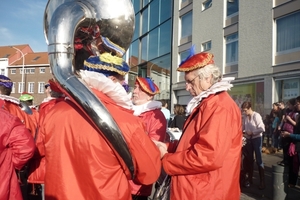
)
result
[(23, 72)]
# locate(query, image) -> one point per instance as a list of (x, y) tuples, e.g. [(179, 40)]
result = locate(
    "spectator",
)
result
[(294, 149), (267, 130), (16, 148), (206, 163), (253, 128), (165, 110), (289, 123), (179, 118), (275, 133)]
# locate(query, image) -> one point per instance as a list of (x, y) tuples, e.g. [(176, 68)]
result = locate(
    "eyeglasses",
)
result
[(244, 110), (191, 81)]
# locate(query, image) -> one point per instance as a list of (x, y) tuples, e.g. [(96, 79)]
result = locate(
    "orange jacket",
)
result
[(38, 162), (206, 164), (16, 148), (79, 162)]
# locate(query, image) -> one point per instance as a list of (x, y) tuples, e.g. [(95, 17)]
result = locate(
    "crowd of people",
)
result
[(60, 154)]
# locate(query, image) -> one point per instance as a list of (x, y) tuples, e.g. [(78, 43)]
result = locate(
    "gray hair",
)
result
[(210, 70)]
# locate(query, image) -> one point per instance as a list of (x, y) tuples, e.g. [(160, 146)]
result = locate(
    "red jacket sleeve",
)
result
[(20, 142)]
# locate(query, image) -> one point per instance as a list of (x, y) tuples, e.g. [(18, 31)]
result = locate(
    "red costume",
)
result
[(155, 123), (16, 148), (79, 162), (206, 163), (12, 106)]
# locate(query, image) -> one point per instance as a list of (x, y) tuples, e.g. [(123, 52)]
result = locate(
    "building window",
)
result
[(42, 70), (13, 89), (206, 46), (232, 7), (186, 25), (183, 55), (232, 49), (13, 71), (145, 24), (207, 4), (31, 87), (21, 87), (41, 87), (2, 72), (288, 31)]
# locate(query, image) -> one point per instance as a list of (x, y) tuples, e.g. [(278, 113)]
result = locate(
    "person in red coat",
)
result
[(12, 104), (155, 122), (206, 163), (16, 148), (80, 163)]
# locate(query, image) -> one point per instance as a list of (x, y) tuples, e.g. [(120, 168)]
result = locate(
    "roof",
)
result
[(38, 58), (7, 51)]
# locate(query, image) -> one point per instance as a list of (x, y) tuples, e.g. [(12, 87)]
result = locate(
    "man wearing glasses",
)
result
[(207, 161)]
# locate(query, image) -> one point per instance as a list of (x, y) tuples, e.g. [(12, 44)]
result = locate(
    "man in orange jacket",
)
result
[(206, 164), (80, 163)]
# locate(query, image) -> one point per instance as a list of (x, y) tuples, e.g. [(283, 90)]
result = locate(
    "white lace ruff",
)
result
[(222, 85), (113, 90), (150, 105)]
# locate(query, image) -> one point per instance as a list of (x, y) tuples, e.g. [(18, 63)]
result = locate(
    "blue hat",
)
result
[(106, 64), (5, 81)]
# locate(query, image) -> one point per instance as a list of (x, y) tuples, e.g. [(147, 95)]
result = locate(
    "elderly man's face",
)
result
[(140, 97), (195, 85)]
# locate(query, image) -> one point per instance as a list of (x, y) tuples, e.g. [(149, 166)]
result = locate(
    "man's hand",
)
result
[(162, 148)]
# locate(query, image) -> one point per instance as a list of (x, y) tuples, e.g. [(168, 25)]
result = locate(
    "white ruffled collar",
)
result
[(222, 85), (47, 99), (113, 90), (10, 99), (150, 105)]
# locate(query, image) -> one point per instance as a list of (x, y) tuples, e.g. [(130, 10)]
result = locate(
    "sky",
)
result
[(21, 22)]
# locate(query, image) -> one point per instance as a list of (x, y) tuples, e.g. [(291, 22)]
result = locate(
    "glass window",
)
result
[(144, 48), (145, 25), (2, 71), (207, 4), (154, 14), (288, 32), (32, 70), (134, 53), (165, 38), (41, 87), (136, 5), (153, 44), (13, 71), (232, 7), (183, 55), (206, 46), (13, 89), (137, 27), (288, 89), (165, 10), (42, 70), (21, 87), (31, 87), (145, 2), (232, 49), (186, 25)]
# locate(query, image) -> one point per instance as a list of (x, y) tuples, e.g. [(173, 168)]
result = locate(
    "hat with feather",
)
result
[(195, 61), (147, 85)]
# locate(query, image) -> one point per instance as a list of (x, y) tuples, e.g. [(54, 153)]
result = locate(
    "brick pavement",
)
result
[(253, 193)]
